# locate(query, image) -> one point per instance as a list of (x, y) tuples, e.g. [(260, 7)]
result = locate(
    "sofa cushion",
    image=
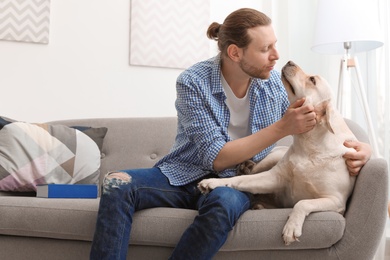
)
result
[(97, 134), (32, 154), (76, 219)]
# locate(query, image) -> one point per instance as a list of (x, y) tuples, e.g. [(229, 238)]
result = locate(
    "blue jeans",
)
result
[(147, 188)]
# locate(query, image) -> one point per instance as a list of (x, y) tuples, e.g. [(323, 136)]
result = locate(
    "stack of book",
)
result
[(79, 191)]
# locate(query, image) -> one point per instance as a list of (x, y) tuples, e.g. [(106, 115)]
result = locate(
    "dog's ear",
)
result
[(323, 111)]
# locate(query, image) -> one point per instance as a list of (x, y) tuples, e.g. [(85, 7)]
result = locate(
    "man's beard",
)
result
[(253, 71)]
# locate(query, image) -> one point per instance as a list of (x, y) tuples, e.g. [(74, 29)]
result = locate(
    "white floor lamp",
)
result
[(348, 27)]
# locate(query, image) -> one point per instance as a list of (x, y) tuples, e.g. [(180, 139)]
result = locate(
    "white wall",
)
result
[(84, 71)]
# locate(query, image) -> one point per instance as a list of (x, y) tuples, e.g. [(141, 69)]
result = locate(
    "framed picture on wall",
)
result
[(25, 21), (169, 33)]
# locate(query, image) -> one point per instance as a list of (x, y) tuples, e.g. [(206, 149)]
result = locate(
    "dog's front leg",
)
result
[(270, 160), (293, 228), (265, 182), (206, 185)]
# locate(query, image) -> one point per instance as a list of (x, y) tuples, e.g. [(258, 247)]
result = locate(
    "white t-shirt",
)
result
[(239, 112)]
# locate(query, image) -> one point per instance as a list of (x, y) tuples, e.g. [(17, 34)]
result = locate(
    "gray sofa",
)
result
[(38, 228)]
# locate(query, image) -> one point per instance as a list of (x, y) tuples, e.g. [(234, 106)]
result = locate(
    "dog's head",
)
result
[(316, 89)]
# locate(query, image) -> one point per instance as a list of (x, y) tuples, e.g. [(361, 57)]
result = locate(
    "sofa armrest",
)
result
[(366, 213)]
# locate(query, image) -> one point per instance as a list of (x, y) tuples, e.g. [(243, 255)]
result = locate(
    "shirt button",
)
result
[(153, 156)]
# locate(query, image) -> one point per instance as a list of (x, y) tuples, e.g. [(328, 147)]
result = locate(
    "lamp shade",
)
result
[(340, 21)]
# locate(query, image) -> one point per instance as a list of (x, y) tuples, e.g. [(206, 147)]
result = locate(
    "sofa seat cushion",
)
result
[(262, 229), (51, 218), (255, 230), (76, 219)]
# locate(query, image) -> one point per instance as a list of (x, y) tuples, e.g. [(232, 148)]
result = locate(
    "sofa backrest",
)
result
[(141, 142)]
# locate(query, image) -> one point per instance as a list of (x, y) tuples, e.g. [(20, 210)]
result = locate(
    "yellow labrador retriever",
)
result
[(312, 175)]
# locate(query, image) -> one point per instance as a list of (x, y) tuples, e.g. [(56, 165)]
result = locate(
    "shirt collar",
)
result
[(216, 83)]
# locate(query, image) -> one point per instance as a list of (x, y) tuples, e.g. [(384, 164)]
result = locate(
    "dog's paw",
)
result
[(206, 185), (257, 206), (245, 168), (291, 233)]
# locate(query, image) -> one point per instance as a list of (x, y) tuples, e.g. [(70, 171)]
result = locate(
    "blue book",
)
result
[(79, 191)]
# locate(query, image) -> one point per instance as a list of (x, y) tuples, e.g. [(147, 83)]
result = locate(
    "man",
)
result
[(230, 108)]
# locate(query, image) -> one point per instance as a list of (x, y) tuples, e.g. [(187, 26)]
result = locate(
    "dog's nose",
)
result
[(290, 63)]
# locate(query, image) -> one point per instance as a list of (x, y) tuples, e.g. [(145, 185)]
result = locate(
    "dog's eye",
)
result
[(313, 80)]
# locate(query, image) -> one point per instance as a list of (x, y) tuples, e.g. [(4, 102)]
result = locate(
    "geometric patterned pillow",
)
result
[(32, 154), (97, 134)]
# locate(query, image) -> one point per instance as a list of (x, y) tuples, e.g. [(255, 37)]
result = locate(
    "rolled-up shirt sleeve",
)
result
[(199, 122)]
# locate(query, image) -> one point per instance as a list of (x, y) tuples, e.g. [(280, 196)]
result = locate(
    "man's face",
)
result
[(260, 57)]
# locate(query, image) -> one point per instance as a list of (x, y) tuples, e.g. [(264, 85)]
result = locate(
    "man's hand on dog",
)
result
[(299, 118), (356, 160)]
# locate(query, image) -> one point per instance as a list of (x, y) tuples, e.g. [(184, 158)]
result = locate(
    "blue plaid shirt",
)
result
[(203, 119)]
